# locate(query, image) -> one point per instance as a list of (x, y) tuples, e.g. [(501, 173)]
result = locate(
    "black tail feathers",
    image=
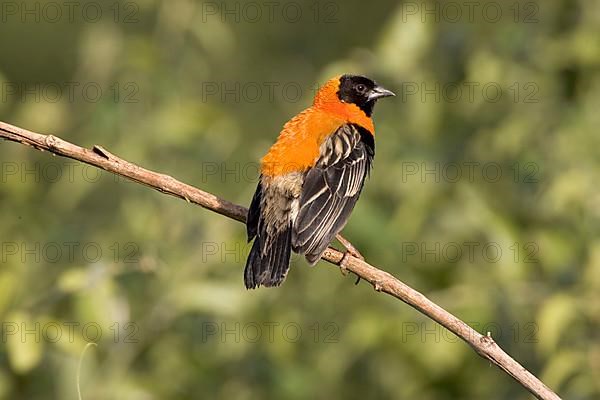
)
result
[(269, 259)]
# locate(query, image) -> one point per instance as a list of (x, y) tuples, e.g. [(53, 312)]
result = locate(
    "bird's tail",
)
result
[(269, 259)]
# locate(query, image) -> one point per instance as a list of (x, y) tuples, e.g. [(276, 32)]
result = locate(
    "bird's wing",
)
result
[(331, 188)]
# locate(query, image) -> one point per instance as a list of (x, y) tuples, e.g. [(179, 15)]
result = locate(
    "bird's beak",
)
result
[(379, 92)]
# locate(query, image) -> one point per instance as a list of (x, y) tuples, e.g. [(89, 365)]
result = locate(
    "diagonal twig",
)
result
[(382, 281)]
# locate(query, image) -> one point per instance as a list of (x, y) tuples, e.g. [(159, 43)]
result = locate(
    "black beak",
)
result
[(378, 92)]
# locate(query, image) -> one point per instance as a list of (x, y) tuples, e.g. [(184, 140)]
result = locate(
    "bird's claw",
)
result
[(350, 251), (343, 268)]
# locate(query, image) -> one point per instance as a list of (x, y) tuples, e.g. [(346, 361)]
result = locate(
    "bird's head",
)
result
[(361, 91), (352, 89)]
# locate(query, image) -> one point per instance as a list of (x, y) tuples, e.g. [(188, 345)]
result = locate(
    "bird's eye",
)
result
[(360, 88)]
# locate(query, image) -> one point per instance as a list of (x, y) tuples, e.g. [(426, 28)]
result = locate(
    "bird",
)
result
[(311, 178)]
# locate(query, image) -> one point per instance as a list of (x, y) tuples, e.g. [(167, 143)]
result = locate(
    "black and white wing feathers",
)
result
[(331, 189)]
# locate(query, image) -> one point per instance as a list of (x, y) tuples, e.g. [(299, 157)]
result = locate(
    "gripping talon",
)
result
[(343, 268), (350, 251)]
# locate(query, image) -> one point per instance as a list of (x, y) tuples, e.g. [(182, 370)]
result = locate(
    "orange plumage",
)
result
[(298, 144), (311, 178)]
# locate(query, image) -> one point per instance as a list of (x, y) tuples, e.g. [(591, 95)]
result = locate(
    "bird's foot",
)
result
[(350, 251)]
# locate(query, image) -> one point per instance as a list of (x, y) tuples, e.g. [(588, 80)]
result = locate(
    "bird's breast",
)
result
[(299, 143)]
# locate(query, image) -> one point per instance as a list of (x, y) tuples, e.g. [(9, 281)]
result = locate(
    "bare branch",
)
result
[(382, 281)]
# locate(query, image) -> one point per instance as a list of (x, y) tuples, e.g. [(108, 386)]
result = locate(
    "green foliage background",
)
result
[(173, 271)]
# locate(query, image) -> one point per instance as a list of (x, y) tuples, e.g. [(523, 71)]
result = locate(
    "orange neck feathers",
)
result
[(327, 100), (298, 145)]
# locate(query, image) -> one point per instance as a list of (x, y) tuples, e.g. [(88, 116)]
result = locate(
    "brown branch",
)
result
[(485, 346)]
